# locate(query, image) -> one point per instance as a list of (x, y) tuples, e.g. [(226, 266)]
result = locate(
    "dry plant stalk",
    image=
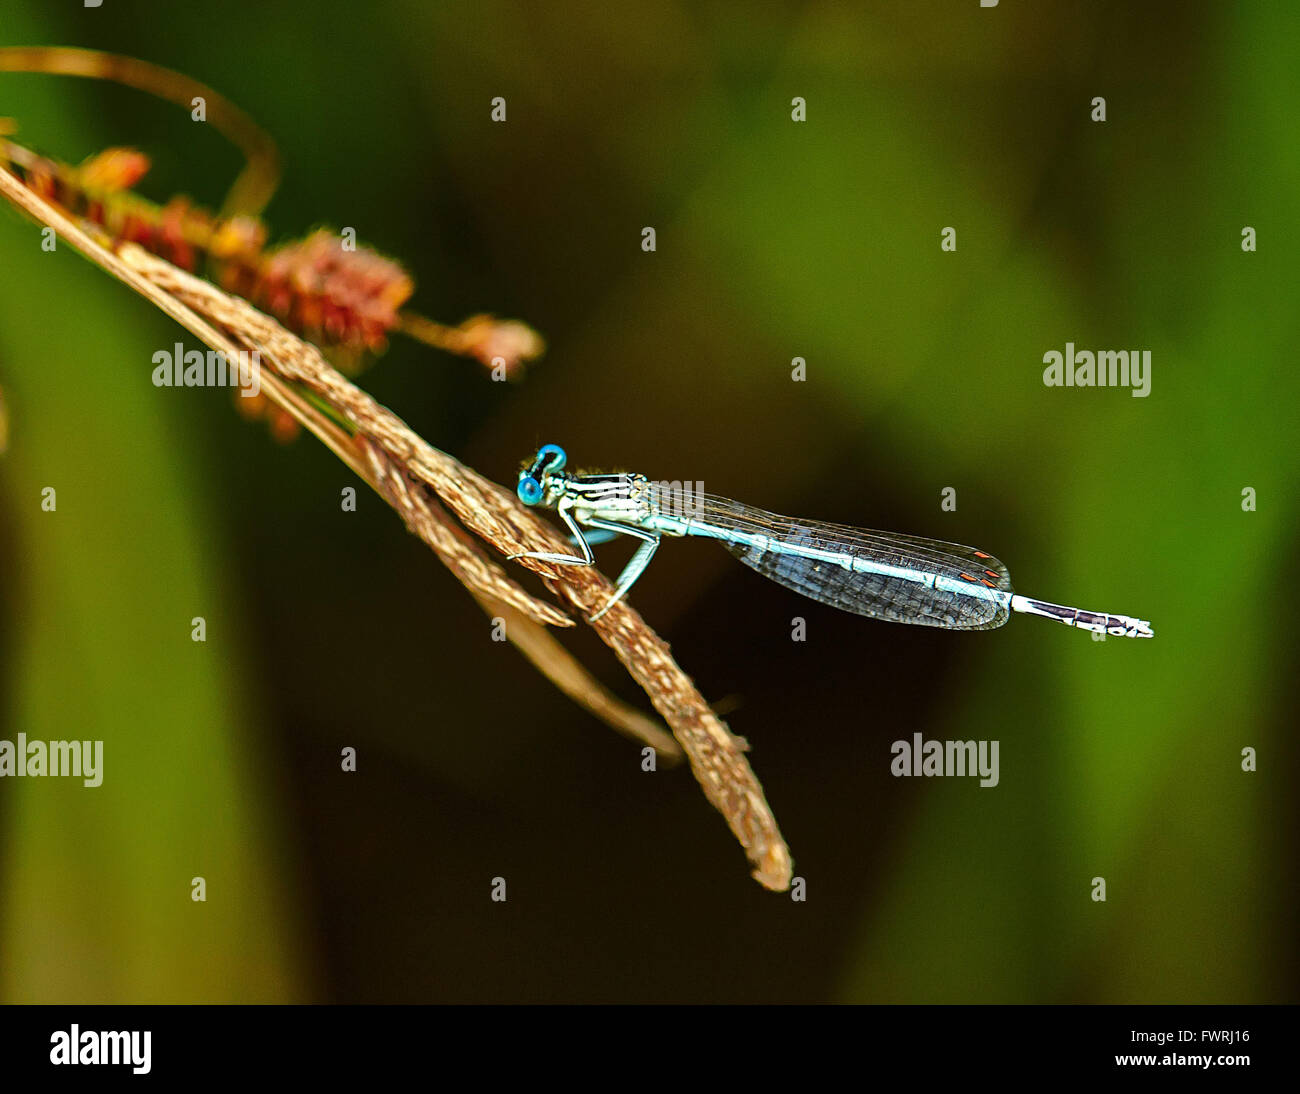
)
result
[(418, 480), (256, 183)]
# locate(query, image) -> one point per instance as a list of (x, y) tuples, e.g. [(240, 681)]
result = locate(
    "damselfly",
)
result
[(883, 575)]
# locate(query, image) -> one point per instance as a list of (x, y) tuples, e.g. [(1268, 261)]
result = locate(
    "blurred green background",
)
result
[(820, 240)]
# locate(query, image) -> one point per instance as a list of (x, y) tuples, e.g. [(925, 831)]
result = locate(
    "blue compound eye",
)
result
[(557, 456), (529, 490)]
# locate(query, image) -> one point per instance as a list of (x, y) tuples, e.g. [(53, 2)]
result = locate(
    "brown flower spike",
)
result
[(421, 483)]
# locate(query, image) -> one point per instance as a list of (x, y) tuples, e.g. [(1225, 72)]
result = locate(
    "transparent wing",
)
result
[(884, 575)]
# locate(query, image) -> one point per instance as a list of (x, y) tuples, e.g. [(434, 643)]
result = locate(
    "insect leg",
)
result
[(563, 560), (636, 564)]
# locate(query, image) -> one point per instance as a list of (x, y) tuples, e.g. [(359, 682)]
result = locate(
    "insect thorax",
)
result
[(668, 507), (618, 497)]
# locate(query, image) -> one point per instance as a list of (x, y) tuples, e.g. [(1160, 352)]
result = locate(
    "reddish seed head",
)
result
[(113, 169)]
